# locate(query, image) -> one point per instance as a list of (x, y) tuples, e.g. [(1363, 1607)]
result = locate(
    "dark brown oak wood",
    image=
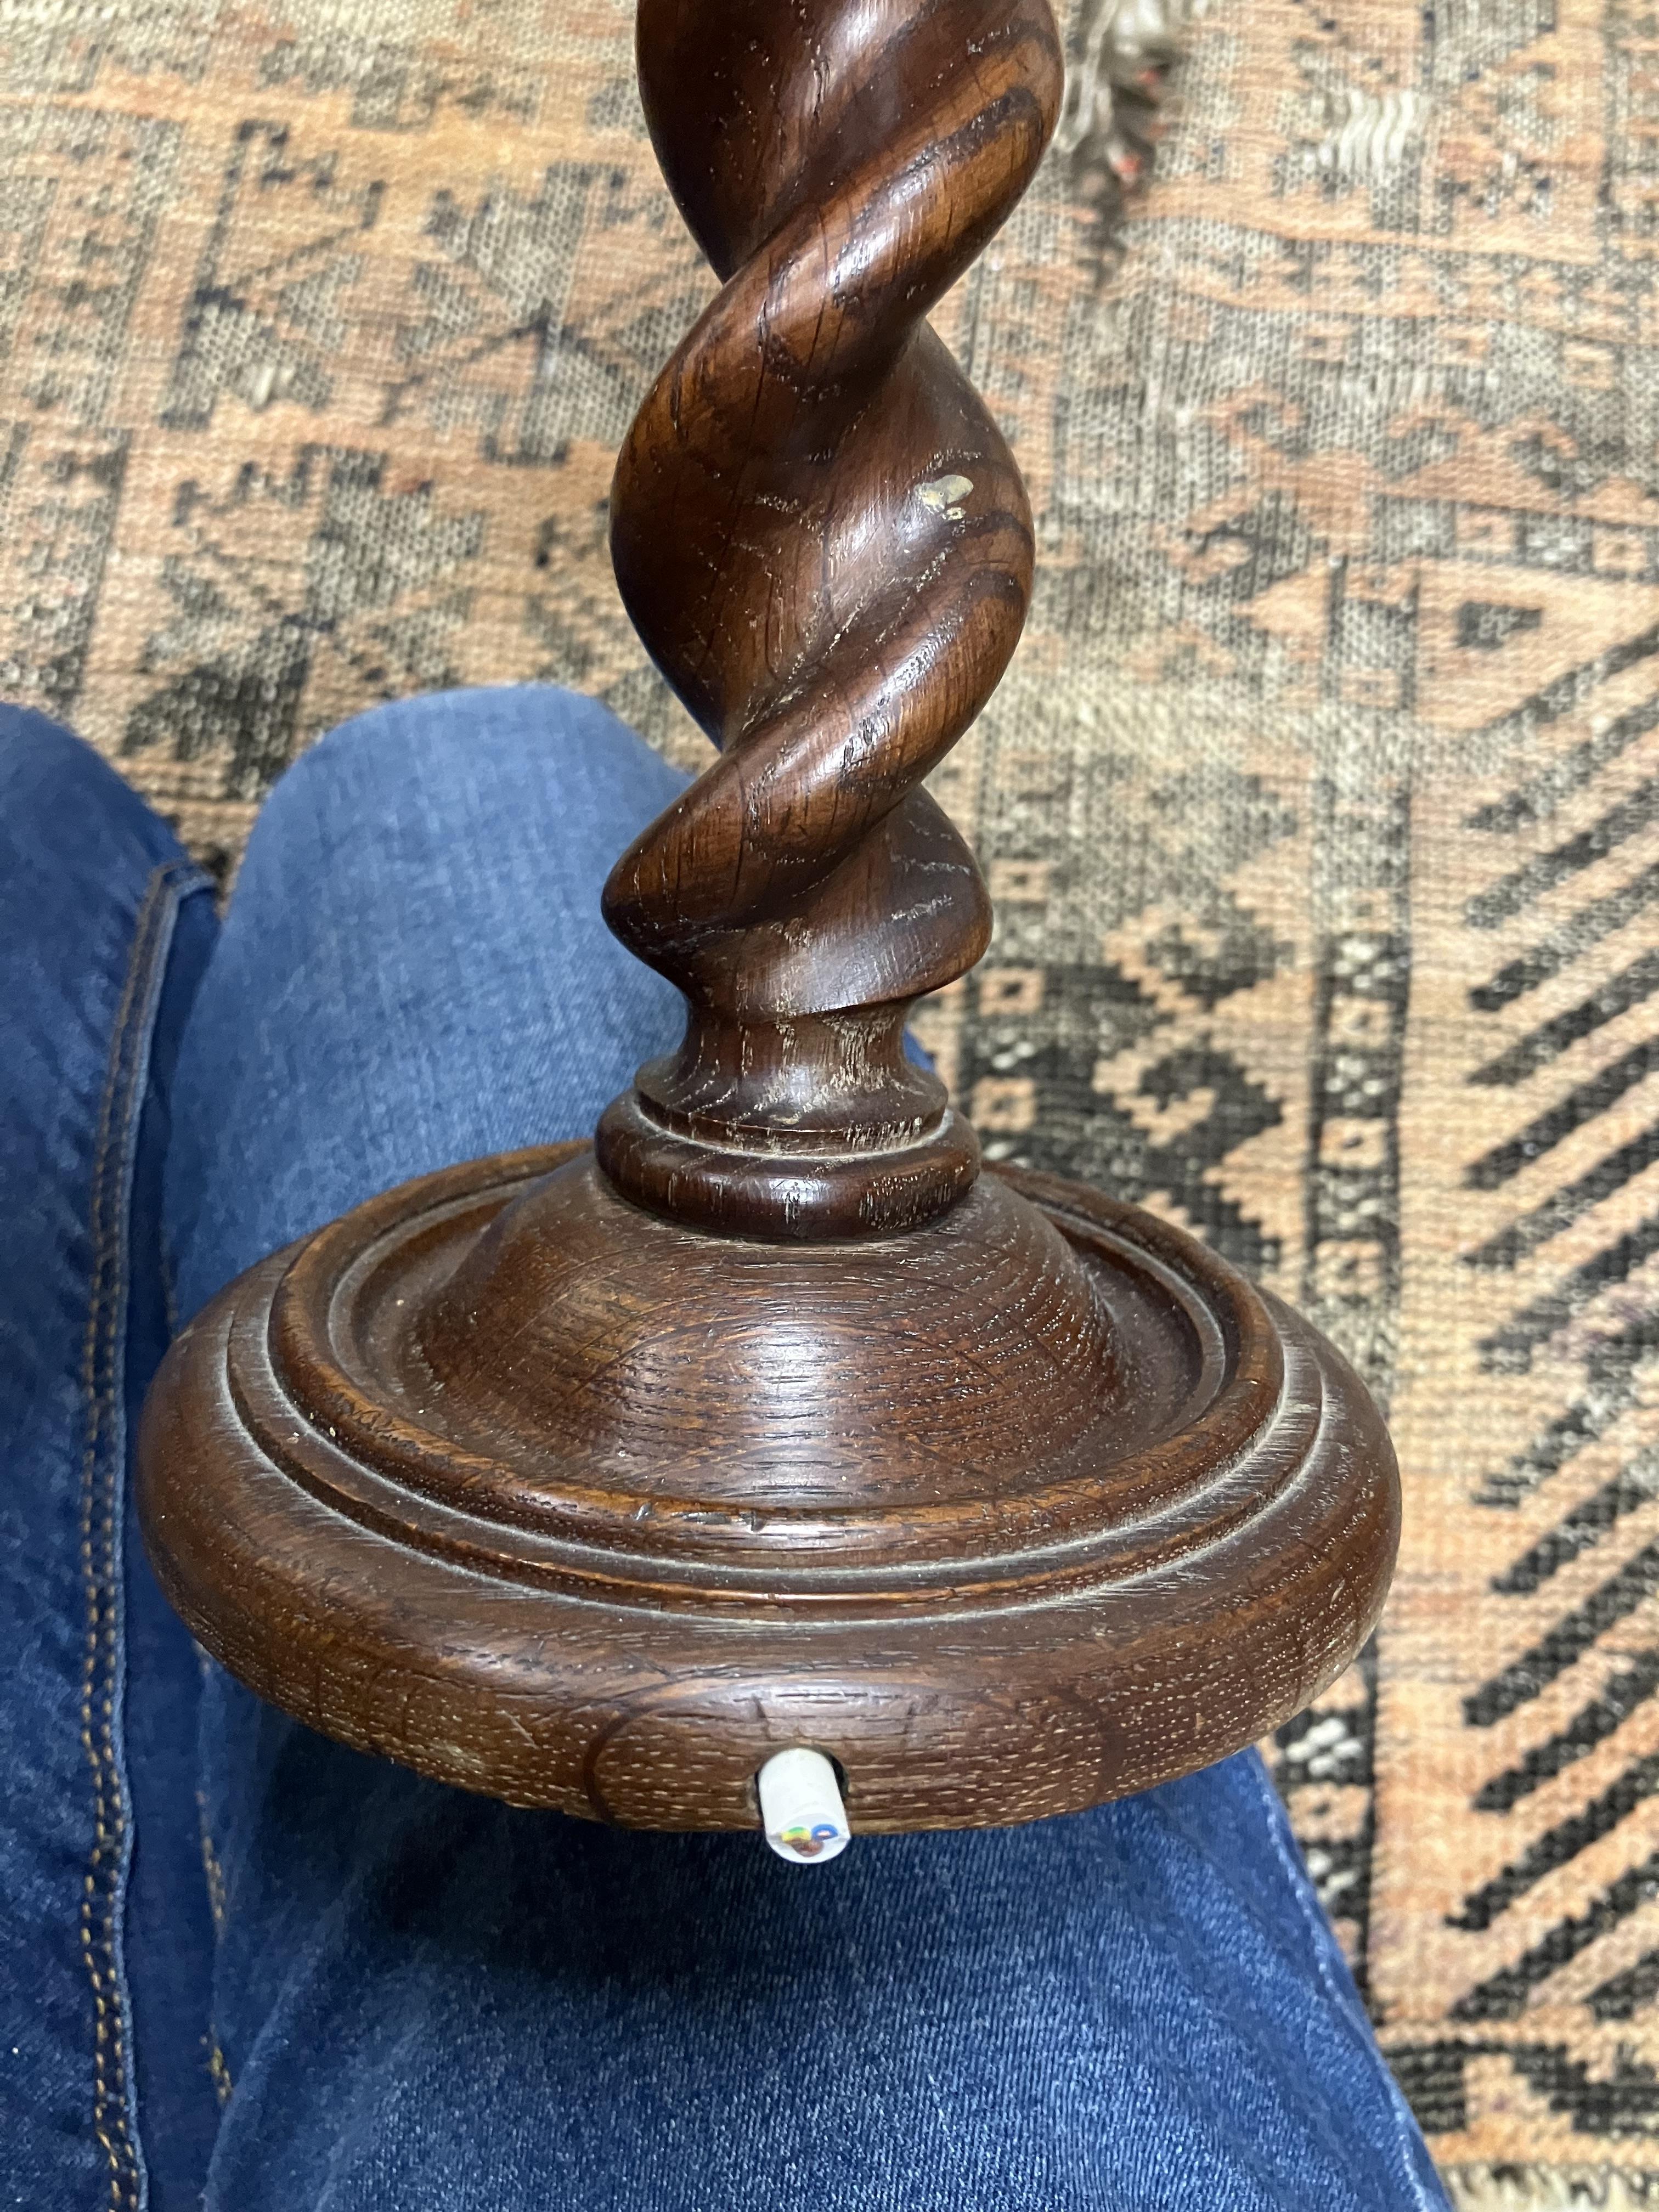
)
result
[(592, 1476), (630, 1507), (824, 541)]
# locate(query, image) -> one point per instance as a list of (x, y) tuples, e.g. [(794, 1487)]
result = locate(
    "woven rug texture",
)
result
[(1321, 804)]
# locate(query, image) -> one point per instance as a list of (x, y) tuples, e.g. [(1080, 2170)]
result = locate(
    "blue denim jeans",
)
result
[(240, 1965)]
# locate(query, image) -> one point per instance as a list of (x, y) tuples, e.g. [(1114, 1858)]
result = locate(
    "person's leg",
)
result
[(106, 2096), (413, 970), (425, 1999)]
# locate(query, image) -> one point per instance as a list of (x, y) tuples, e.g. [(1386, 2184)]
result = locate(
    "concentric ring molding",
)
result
[(566, 1621)]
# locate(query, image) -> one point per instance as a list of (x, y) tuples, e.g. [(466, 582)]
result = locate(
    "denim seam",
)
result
[(1340, 2001), (217, 2065), (210, 1867), (115, 2120)]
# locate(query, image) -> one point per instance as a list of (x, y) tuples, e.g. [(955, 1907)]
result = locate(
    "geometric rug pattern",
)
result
[(1321, 804)]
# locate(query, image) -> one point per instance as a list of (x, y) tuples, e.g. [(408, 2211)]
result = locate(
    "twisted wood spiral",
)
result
[(823, 540), (556, 1495)]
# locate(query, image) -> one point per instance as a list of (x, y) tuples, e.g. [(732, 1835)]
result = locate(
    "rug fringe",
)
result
[(1118, 65)]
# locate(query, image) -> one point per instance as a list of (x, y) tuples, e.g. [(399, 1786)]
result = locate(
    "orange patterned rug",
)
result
[(1321, 804)]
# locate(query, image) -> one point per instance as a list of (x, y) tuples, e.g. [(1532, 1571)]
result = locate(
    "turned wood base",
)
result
[(593, 1481), (504, 1478)]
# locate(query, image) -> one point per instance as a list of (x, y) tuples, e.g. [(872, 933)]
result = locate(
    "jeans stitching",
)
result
[(211, 1868), (102, 1473), (217, 2065)]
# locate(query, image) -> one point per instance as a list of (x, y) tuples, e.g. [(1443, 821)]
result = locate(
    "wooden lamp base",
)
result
[(507, 1479), (597, 1479)]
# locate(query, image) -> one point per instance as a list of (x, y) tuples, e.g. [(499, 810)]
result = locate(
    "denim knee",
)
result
[(53, 785), (414, 969), (27, 734), (557, 752)]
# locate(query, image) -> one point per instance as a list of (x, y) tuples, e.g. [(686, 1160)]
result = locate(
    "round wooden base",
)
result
[(507, 1479)]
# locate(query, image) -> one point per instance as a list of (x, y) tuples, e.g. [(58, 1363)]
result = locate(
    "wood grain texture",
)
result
[(824, 541), (593, 1477), (1007, 1520)]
